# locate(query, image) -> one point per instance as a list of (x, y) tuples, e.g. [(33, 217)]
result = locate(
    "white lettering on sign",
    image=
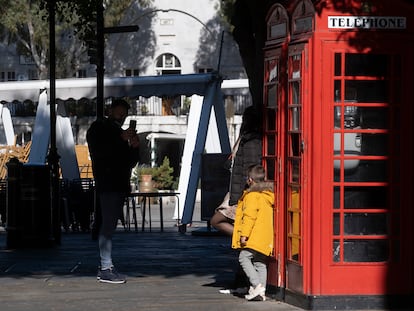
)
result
[(367, 22)]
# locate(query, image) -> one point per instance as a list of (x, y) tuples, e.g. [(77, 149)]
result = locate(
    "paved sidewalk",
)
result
[(166, 271)]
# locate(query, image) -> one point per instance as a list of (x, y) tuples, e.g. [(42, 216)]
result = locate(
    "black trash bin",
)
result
[(30, 219)]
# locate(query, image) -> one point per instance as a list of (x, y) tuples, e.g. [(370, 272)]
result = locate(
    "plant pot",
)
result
[(146, 184)]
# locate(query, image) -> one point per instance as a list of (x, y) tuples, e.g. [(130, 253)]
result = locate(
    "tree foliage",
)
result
[(25, 24), (227, 10), (247, 20)]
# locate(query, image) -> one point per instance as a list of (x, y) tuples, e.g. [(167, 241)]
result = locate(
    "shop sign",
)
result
[(367, 22)]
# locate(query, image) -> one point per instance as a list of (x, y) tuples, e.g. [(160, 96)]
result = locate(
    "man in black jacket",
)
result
[(114, 152)]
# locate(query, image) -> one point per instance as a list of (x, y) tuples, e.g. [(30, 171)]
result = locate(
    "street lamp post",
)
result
[(100, 51), (100, 63), (53, 156)]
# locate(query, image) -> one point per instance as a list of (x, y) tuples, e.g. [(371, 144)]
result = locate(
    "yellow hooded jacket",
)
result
[(254, 219)]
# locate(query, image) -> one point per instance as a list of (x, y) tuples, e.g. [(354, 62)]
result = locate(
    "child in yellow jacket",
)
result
[(253, 230)]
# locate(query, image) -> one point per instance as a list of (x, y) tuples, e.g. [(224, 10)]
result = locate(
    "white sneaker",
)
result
[(256, 294)]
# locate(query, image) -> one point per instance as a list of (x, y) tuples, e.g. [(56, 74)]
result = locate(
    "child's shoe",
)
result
[(256, 294)]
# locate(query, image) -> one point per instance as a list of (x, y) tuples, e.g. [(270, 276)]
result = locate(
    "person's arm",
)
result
[(133, 150), (249, 216)]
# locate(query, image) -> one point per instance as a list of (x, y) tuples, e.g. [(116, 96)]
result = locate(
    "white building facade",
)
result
[(174, 37)]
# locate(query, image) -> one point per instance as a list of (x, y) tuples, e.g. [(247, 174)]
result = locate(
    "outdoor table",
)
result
[(146, 198)]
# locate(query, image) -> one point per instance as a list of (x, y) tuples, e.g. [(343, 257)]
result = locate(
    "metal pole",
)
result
[(52, 75), (100, 66), (220, 53), (53, 157)]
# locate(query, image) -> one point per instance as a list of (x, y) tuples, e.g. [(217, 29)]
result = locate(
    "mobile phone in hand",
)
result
[(133, 124)]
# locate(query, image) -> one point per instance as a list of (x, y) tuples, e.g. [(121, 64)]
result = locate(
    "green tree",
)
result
[(227, 10), (25, 24), (248, 25), (162, 176)]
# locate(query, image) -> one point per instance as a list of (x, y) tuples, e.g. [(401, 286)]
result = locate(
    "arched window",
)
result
[(167, 64)]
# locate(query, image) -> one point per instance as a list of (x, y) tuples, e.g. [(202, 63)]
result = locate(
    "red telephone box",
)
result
[(338, 107)]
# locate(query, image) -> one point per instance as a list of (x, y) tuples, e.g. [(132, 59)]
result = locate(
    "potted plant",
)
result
[(162, 176), (142, 175)]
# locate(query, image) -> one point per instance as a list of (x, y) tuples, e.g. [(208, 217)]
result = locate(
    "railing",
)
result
[(180, 105), (154, 106)]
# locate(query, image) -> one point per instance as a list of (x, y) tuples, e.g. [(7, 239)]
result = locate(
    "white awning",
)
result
[(165, 85)]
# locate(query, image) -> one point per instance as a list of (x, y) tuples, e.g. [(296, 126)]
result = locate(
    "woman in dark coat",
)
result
[(249, 152)]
